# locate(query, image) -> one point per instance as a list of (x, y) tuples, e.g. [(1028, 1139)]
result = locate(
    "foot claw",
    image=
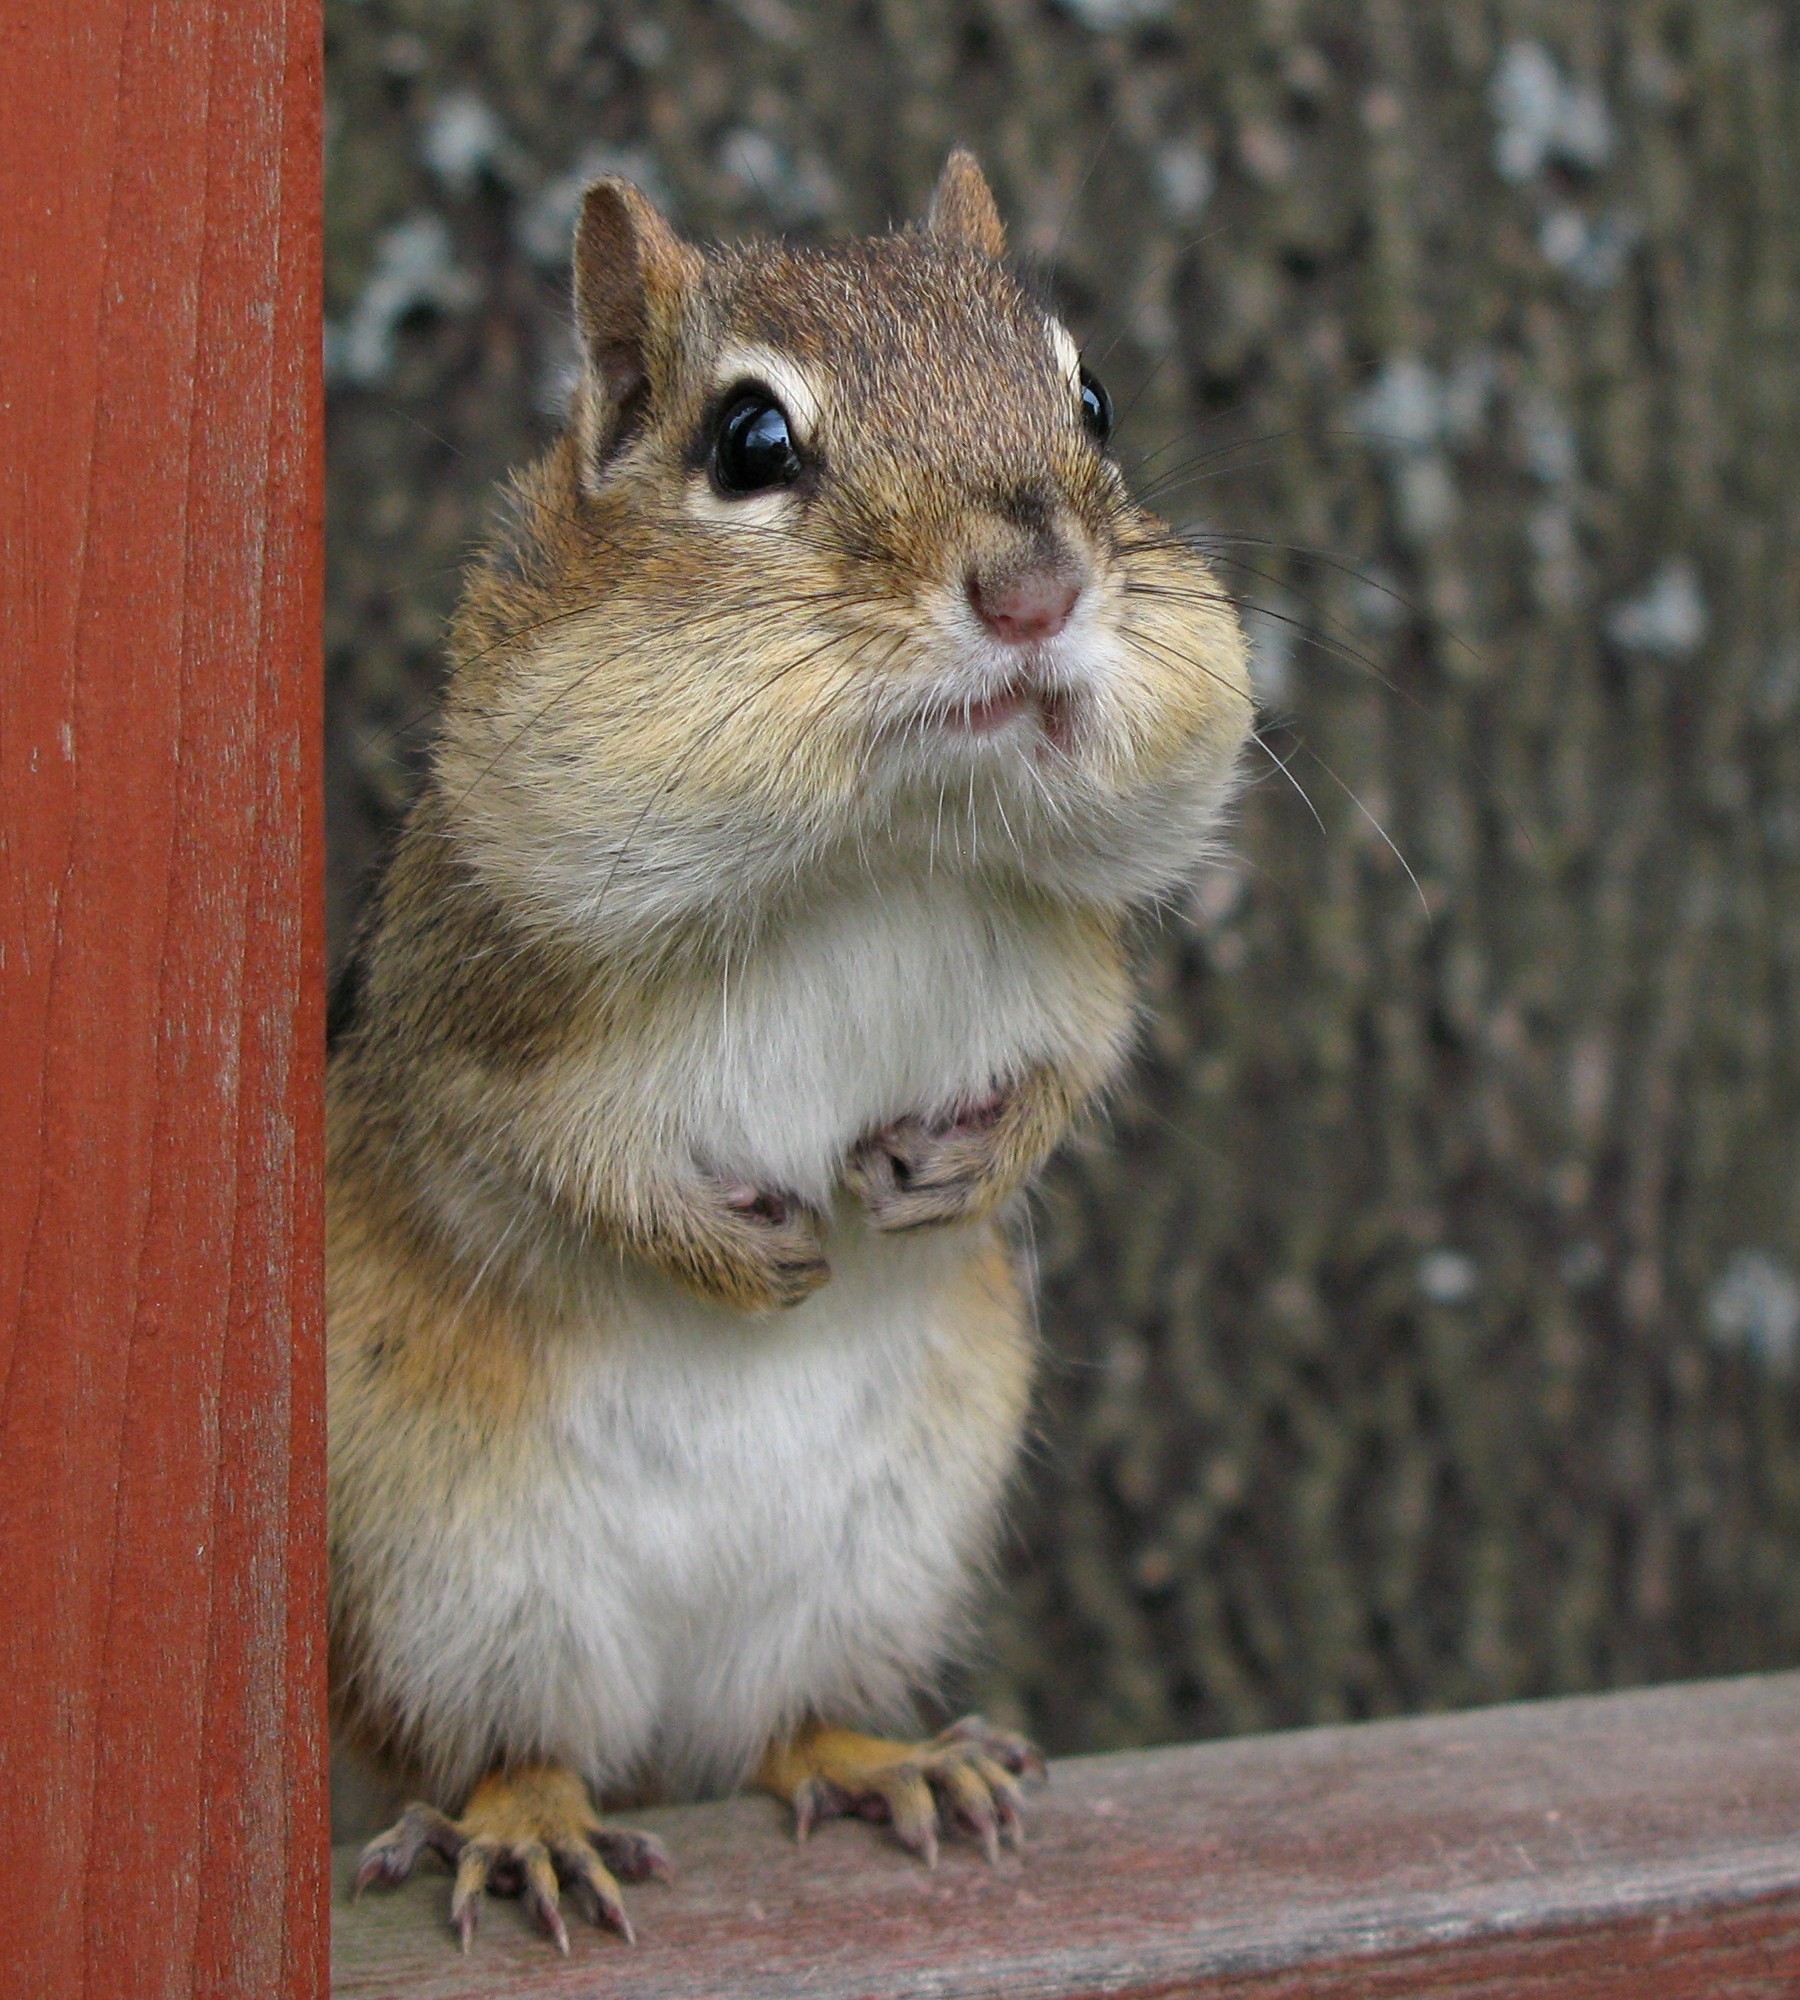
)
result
[(550, 1918)]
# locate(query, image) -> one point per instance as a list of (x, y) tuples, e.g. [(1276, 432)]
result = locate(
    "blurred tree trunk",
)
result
[(1426, 1330)]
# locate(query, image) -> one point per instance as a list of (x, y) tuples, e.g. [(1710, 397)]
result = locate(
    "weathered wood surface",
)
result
[(1644, 1844), (161, 1450)]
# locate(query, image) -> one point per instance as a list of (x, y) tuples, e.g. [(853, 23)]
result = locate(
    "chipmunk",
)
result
[(816, 726)]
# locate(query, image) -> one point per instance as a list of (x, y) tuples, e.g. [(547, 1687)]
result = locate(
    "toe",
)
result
[(391, 1856), (1003, 1789), (541, 1895), (1009, 1750), (633, 1857), (970, 1799), (912, 1809), (606, 1907), (817, 1799), (472, 1870)]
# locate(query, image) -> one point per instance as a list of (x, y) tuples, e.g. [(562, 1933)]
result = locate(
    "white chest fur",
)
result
[(892, 999)]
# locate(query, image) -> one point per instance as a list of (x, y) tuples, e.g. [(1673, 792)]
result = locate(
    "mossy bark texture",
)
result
[(1425, 1327)]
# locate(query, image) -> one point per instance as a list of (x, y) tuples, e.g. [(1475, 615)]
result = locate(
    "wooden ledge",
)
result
[(1644, 1844)]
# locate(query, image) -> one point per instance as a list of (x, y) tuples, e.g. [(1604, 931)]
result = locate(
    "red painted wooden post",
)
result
[(161, 1422)]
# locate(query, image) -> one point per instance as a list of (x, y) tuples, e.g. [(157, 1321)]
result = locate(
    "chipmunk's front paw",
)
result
[(773, 1248), (924, 1170), (522, 1833), (967, 1777)]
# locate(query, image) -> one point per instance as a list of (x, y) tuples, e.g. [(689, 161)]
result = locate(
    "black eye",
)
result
[(1096, 407), (753, 449)]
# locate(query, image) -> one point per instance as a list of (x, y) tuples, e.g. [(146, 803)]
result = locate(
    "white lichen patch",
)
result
[(1108, 17), (1667, 619), (1185, 178), (462, 140), (1753, 1309), (1447, 1277), (1545, 117), (1592, 250), (415, 270)]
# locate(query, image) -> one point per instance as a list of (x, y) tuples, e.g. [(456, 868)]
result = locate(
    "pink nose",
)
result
[(1035, 605)]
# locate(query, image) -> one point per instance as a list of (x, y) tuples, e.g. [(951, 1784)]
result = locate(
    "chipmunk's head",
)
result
[(833, 560)]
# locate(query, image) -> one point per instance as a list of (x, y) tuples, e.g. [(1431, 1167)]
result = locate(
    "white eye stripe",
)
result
[(1068, 355), (772, 509), (787, 379)]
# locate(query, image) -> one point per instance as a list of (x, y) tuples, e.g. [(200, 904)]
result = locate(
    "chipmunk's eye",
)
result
[(753, 448), (1096, 407)]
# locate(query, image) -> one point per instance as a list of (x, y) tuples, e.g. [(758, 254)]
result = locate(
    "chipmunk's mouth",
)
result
[(983, 718), (1048, 708)]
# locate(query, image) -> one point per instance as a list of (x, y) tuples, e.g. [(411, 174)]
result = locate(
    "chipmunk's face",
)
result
[(843, 557)]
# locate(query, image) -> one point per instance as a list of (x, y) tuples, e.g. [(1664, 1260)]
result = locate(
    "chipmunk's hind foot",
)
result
[(967, 1777), (524, 1832)]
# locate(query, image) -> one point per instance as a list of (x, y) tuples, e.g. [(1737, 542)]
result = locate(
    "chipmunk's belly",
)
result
[(741, 1522)]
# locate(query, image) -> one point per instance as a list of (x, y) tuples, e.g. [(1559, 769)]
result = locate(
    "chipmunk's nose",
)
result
[(1023, 606)]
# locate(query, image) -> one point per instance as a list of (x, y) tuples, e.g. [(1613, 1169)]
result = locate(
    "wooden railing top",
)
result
[(1644, 1843)]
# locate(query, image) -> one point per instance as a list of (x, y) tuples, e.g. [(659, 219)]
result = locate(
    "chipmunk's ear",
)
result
[(963, 209), (633, 275)]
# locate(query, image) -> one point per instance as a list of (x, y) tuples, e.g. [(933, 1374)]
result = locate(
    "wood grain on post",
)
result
[(1643, 1845), (161, 1444)]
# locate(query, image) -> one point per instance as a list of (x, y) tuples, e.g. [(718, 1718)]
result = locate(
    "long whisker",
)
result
[(1280, 764), (1418, 890)]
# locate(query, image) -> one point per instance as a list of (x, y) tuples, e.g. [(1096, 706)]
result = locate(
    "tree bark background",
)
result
[(1425, 1328)]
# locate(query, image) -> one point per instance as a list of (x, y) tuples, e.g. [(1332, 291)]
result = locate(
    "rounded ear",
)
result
[(963, 209), (633, 274)]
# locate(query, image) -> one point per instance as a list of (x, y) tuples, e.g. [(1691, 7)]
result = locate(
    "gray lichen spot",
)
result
[(1546, 437), (464, 139), (415, 269), (1556, 552), (1667, 619), (1108, 17), (1411, 407), (1592, 250), (1409, 413), (1544, 117), (794, 190), (1402, 409), (1754, 1309), (1185, 178), (1447, 1277)]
